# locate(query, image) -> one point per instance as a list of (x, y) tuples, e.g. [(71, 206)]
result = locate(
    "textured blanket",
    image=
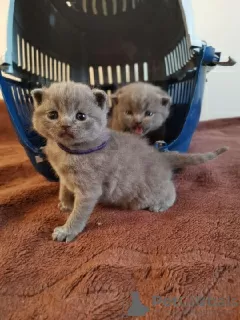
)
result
[(181, 264)]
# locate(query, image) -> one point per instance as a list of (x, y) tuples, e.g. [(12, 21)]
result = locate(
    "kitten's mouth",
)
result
[(66, 134), (138, 130)]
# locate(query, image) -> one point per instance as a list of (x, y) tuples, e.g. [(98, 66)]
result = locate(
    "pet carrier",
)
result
[(107, 44)]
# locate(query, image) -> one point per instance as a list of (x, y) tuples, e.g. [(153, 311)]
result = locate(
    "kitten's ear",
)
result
[(166, 101), (101, 98), (114, 98), (37, 95)]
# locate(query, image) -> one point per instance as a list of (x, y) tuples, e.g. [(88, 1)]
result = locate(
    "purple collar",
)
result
[(79, 152)]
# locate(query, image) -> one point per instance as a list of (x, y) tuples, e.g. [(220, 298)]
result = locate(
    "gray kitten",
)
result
[(140, 108), (96, 164)]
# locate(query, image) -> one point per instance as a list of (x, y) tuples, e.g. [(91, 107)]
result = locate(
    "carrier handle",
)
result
[(230, 63), (211, 58)]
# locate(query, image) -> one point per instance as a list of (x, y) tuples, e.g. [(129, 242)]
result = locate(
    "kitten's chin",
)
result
[(69, 142), (88, 139), (66, 142)]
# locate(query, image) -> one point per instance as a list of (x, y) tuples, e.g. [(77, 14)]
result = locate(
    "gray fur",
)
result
[(137, 98), (127, 173), (182, 160)]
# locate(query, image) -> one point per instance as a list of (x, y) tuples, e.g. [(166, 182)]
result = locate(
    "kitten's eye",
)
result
[(81, 116), (148, 114), (52, 115), (129, 113)]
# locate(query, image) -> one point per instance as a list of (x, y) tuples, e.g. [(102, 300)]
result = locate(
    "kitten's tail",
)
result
[(182, 160)]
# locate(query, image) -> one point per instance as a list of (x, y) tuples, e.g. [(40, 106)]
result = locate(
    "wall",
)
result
[(4, 8), (218, 23)]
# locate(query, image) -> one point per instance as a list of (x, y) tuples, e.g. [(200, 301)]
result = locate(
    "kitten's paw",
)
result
[(64, 207), (160, 207), (63, 234)]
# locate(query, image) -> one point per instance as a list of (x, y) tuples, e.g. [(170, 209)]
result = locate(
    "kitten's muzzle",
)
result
[(137, 123), (65, 132), (65, 126)]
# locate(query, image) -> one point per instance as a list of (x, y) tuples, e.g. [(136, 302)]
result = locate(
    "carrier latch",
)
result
[(161, 145)]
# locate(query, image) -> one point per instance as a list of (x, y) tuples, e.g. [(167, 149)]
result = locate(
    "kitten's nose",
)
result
[(137, 119), (65, 126), (138, 122)]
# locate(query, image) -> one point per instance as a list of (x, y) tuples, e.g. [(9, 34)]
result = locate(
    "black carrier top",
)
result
[(105, 43)]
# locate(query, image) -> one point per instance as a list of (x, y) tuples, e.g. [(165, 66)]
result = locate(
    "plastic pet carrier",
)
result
[(107, 44)]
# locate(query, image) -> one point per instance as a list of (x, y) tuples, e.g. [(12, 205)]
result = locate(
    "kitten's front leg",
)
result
[(66, 198), (76, 222)]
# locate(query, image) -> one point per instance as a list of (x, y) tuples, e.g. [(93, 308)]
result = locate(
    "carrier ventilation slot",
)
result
[(100, 75), (110, 77), (103, 7), (39, 63), (178, 58), (136, 72), (181, 92), (23, 103), (127, 72), (119, 74)]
